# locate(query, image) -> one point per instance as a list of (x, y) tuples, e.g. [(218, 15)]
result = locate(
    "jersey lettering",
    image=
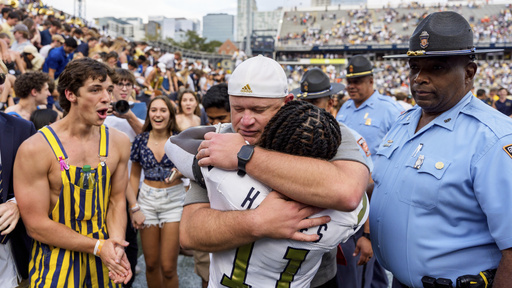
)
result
[(295, 259), (240, 266), (238, 276), (319, 232), (250, 199)]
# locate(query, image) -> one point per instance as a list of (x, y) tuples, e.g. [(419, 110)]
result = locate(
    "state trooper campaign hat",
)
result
[(359, 66), (259, 76), (316, 84), (440, 34)]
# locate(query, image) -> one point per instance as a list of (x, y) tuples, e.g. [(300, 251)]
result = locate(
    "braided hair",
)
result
[(300, 128)]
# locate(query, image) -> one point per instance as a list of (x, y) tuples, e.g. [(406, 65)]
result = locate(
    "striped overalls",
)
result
[(85, 212)]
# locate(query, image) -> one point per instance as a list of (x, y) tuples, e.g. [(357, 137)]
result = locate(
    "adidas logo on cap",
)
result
[(246, 89)]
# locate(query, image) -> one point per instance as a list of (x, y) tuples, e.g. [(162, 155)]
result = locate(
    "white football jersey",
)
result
[(271, 262)]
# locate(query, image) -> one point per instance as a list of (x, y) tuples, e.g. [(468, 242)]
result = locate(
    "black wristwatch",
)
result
[(244, 155), (367, 236)]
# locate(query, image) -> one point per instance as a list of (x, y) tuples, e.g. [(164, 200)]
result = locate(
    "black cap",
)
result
[(444, 33), (359, 66), (316, 84)]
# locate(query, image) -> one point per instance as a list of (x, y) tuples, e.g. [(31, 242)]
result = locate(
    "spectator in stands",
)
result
[(111, 59), (58, 58), (33, 61), (46, 35), (5, 13), (401, 98), (11, 59), (188, 113), (88, 44), (57, 41), (8, 25), (155, 77), (216, 104), (43, 117), (504, 104), (21, 38), (168, 59), (33, 33), (480, 94), (32, 90)]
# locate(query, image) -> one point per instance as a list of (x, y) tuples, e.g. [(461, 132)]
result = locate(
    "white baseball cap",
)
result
[(162, 67), (258, 77)]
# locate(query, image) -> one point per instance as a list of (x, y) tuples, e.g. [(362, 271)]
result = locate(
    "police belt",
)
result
[(483, 279)]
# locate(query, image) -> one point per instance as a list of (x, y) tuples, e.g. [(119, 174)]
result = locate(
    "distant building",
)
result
[(153, 30), (170, 26), (227, 48), (219, 27), (261, 20), (115, 27), (138, 27)]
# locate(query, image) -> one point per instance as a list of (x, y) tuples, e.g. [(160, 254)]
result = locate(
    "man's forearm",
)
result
[(58, 235), (503, 276), (116, 218), (338, 184), (206, 229), (134, 123)]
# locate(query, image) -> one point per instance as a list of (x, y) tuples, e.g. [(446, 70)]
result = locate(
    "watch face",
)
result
[(245, 152)]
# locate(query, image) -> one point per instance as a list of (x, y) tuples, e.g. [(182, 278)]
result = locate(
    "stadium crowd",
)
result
[(383, 26)]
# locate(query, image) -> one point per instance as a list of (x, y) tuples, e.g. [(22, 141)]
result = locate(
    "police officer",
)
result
[(441, 205), (367, 111)]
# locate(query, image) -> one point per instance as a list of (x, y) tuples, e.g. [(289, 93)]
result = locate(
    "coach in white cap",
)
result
[(258, 89)]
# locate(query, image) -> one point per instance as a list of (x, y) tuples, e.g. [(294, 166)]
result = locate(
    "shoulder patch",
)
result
[(362, 143), (508, 149)]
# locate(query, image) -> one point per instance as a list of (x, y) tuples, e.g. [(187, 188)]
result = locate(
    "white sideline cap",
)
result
[(258, 77)]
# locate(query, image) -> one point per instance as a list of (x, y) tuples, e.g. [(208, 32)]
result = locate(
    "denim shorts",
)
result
[(161, 205)]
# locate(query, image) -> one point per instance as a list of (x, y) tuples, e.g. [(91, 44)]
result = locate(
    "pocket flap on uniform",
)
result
[(431, 165)]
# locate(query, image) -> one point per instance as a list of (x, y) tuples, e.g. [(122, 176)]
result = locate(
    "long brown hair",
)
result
[(197, 111), (171, 126)]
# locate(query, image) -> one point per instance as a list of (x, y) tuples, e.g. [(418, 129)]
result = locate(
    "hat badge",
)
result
[(424, 39), (306, 84), (351, 69)]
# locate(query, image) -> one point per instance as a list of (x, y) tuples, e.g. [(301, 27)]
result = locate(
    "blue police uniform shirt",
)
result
[(441, 204), (372, 119)]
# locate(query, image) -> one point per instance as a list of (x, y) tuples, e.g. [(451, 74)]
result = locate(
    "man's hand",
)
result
[(279, 217), (126, 115), (363, 246), (112, 254), (220, 150), (118, 279), (9, 216)]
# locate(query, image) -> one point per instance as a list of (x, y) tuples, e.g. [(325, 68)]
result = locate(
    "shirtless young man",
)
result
[(78, 233)]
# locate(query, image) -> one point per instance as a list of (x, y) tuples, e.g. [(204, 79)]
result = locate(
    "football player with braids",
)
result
[(300, 128)]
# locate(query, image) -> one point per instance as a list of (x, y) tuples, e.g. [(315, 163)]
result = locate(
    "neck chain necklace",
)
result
[(153, 135)]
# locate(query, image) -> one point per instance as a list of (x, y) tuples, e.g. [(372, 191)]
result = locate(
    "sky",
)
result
[(169, 8)]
